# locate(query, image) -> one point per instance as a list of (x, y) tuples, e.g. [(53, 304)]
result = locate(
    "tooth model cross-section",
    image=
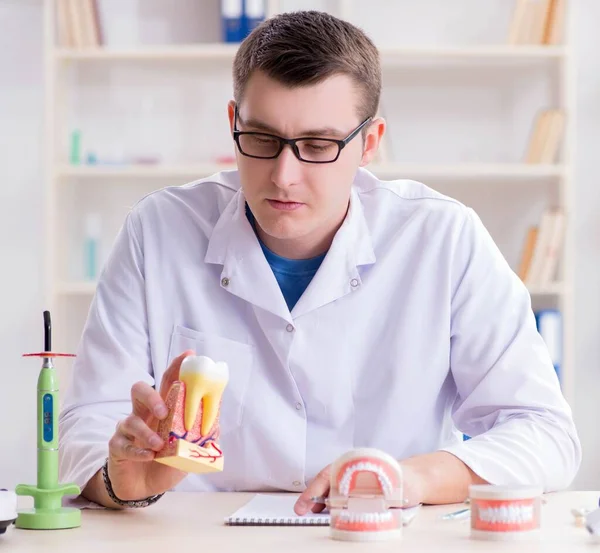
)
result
[(365, 488), (191, 430)]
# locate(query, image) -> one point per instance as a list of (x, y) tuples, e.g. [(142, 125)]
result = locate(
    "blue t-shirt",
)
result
[(292, 275)]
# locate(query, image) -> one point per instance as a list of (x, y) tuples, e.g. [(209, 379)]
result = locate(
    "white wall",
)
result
[(21, 183), (21, 234)]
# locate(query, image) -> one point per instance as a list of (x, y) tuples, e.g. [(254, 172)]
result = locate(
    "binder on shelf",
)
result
[(254, 14), (232, 17), (549, 325)]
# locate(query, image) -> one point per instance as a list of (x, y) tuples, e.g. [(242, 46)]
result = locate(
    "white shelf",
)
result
[(507, 171), (215, 52), (140, 171), (83, 288), (484, 53), (87, 288), (557, 289), (494, 171), (226, 51)]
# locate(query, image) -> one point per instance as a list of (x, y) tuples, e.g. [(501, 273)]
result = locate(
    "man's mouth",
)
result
[(285, 205)]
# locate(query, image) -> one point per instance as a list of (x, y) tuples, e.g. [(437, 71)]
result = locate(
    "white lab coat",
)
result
[(413, 331)]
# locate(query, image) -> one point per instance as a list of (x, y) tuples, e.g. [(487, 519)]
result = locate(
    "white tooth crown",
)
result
[(511, 514), (205, 381), (378, 470), (200, 364)]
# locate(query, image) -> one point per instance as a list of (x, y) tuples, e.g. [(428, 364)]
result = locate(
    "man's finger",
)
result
[(172, 373), (147, 401), (135, 429), (122, 448), (319, 487)]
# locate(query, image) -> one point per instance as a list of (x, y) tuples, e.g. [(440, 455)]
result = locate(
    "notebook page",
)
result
[(277, 508)]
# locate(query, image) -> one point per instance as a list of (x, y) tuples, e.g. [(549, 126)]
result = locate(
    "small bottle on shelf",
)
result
[(91, 246)]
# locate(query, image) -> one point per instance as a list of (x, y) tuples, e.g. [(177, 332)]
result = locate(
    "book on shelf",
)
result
[(549, 325), (537, 22), (527, 254), (78, 24), (546, 136), (542, 249)]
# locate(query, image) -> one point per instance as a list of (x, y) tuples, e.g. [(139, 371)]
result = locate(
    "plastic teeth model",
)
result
[(365, 483), (191, 430), (8, 509)]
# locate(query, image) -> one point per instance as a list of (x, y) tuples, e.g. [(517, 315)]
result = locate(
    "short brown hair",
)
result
[(306, 47)]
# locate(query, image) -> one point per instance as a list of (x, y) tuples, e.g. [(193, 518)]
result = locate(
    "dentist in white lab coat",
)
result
[(350, 311)]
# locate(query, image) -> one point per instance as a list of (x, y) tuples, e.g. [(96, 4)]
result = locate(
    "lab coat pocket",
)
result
[(239, 358)]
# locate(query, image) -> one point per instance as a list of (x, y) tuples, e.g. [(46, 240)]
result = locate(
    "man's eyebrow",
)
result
[(323, 131)]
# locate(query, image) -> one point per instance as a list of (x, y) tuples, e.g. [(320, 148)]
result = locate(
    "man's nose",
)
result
[(287, 168)]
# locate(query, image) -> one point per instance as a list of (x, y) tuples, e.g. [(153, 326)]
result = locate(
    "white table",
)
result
[(193, 522)]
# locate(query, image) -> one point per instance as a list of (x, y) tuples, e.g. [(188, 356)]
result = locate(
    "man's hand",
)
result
[(133, 447), (319, 487), (433, 478)]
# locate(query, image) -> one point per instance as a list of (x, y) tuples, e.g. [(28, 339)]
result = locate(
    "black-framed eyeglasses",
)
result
[(262, 145)]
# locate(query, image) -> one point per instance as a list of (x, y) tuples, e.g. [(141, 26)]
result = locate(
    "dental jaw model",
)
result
[(365, 483), (191, 430), (505, 512), (8, 509)]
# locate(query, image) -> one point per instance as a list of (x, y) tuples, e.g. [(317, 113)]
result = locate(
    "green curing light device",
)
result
[(48, 512)]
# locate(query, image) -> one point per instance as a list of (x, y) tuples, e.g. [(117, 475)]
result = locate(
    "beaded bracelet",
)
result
[(137, 503)]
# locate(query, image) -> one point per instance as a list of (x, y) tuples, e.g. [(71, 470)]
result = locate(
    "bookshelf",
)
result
[(513, 54)]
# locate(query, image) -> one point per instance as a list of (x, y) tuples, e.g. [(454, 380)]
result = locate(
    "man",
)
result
[(351, 312)]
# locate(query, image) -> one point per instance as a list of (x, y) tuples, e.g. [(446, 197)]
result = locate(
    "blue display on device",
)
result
[(48, 412)]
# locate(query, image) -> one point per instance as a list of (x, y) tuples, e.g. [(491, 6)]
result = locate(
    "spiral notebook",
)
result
[(278, 510), (274, 510)]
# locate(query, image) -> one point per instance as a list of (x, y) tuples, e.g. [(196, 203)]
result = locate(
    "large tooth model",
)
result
[(364, 484), (191, 430)]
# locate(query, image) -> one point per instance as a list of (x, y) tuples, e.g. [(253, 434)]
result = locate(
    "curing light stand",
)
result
[(48, 512)]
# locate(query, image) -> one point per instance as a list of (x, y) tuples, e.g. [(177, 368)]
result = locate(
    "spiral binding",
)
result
[(252, 521)]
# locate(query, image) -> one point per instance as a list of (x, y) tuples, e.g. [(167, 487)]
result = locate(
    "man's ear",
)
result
[(372, 140), (231, 114)]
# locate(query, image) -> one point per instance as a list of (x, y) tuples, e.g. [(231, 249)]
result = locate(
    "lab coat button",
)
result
[(290, 328), (225, 281), (298, 406), (297, 483), (354, 283)]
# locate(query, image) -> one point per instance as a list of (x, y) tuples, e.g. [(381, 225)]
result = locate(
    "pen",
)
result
[(463, 513)]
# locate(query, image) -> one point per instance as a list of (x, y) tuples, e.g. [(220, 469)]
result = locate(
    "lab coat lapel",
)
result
[(338, 274), (246, 272)]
